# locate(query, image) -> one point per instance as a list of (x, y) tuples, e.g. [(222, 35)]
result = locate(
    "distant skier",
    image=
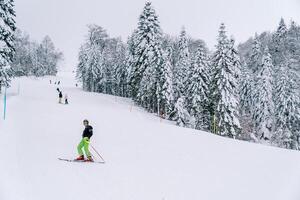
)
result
[(58, 82), (84, 143), (66, 99), (60, 96)]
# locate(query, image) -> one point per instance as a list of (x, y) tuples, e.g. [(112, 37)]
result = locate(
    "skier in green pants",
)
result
[(84, 143)]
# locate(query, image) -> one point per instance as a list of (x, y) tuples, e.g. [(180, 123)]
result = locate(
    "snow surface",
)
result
[(145, 158)]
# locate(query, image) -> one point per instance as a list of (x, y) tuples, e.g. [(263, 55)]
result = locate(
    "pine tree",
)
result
[(148, 89), (145, 37), (293, 40), (246, 90), (281, 32), (7, 28), (121, 72), (225, 87), (256, 55), (182, 116), (93, 59), (235, 59), (21, 63), (102, 63), (131, 63), (146, 66), (293, 52), (286, 108), (182, 67), (47, 58), (264, 107), (278, 45), (198, 90), (167, 87)]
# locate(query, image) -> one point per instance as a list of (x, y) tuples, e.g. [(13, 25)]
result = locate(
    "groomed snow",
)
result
[(146, 159)]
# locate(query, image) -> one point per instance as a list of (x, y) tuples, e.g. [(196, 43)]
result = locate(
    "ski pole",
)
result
[(97, 153)]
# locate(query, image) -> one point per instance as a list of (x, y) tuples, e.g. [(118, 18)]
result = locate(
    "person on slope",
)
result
[(66, 99), (84, 143), (60, 96)]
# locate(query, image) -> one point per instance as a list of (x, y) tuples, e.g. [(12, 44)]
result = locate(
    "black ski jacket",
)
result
[(88, 132)]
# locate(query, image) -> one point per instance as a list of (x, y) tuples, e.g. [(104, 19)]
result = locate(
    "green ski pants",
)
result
[(84, 143)]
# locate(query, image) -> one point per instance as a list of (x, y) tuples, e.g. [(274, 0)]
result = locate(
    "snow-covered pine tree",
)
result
[(235, 59), (293, 39), (246, 90), (7, 28), (225, 88), (131, 64), (113, 59), (182, 116), (167, 98), (21, 63), (264, 107), (198, 90), (182, 66), (81, 67), (281, 32), (147, 92), (47, 58), (256, 55), (293, 48), (92, 60), (33, 54), (95, 70), (286, 109), (146, 68), (277, 46), (121, 71)]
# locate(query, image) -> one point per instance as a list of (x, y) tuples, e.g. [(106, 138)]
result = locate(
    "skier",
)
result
[(84, 143), (60, 96), (66, 99)]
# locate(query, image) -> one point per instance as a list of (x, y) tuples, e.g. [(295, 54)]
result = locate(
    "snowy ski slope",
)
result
[(146, 159)]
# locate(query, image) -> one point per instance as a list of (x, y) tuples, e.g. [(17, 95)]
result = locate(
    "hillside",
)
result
[(145, 158)]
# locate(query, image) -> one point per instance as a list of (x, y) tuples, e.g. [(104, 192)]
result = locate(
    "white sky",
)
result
[(65, 20)]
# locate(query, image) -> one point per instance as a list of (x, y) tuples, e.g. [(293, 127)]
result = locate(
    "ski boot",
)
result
[(80, 158), (89, 159)]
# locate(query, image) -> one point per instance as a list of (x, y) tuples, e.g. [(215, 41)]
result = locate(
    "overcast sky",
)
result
[(65, 20)]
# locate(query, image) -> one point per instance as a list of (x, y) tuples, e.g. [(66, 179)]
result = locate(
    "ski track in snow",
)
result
[(145, 158)]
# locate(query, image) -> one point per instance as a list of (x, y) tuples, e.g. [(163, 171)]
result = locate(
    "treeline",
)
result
[(178, 78), (33, 58), (19, 56), (101, 63), (271, 85)]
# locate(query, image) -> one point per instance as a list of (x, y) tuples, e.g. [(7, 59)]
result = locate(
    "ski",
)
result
[(80, 161)]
